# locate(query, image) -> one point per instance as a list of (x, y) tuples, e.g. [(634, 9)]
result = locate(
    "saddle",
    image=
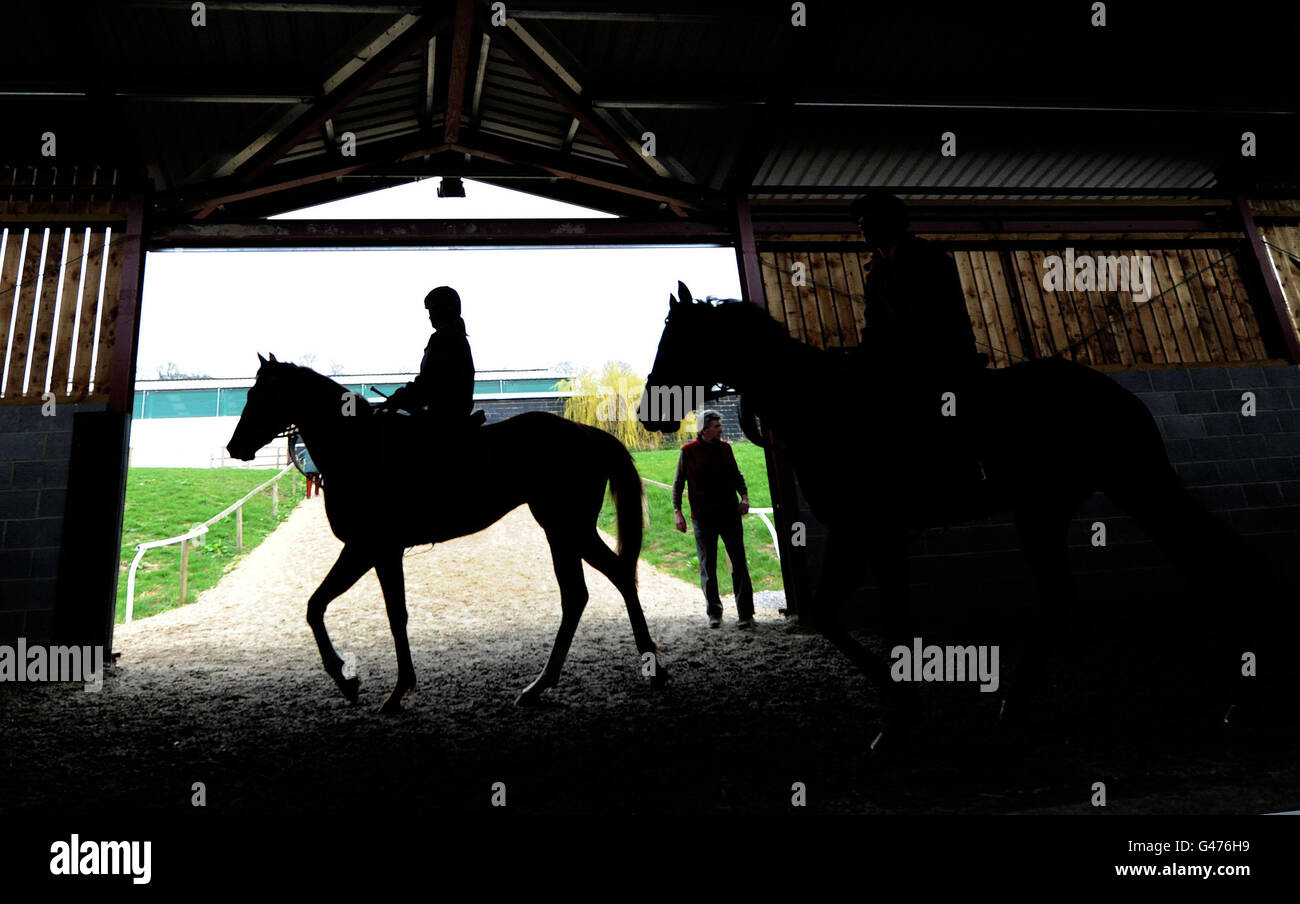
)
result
[(424, 440)]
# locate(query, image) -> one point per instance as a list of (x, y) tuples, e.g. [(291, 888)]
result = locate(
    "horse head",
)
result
[(688, 363), (266, 412)]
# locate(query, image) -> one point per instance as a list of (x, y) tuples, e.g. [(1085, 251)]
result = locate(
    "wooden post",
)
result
[(126, 326), (275, 499), (239, 529), (185, 567), (780, 474), (1266, 276)]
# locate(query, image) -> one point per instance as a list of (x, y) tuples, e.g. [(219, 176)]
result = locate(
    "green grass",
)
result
[(673, 552), (165, 502)]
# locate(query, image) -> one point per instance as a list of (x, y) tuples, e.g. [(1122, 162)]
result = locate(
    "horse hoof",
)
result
[(392, 706), (351, 688), (529, 699), (659, 680)]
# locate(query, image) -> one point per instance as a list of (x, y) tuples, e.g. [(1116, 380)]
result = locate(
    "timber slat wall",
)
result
[(1284, 250), (1197, 313), (56, 334)]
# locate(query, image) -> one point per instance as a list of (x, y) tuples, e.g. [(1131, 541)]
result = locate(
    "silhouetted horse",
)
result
[(873, 460), (556, 466)]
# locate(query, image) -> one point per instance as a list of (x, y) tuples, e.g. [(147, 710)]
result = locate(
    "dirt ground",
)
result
[(230, 691)]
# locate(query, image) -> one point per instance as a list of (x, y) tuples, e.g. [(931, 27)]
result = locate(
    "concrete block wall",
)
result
[(500, 409), (34, 454), (1244, 470)]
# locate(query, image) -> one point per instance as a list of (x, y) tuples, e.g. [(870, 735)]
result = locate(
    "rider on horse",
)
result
[(917, 332), (444, 388), (915, 309)]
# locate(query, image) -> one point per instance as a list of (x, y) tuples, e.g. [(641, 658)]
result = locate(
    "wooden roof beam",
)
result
[(568, 69), (462, 32), (284, 6), (339, 95), (369, 45), (600, 175), (207, 197), (512, 40), (390, 233), (485, 45)]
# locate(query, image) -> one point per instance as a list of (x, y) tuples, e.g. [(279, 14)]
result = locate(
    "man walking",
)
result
[(708, 467)]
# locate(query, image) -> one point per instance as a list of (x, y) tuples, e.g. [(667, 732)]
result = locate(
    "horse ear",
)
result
[(260, 358), (273, 361), (684, 293), (672, 300)]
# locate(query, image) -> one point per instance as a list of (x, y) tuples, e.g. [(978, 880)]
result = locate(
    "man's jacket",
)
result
[(713, 478)]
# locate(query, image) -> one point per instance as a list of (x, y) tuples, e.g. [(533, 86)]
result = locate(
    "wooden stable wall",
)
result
[(60, 278), (70, 269), (1198, 312)]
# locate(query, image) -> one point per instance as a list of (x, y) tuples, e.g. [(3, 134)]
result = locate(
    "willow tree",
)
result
[(608, 399)]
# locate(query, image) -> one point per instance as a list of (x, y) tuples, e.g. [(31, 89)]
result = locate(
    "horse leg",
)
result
[(351, 564), (889, 565), (888, 562), (1044, 537), (842, 568), (603, 559), (573, 599), (388, 566), (1218, 564)]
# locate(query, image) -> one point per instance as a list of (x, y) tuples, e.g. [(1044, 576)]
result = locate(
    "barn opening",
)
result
[(743, 153)]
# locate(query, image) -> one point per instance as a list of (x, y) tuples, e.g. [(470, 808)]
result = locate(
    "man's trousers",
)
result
[(707, 532)]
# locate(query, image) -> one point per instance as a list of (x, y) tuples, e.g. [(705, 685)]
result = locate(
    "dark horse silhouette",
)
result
[(1038, 438), (557, 467)]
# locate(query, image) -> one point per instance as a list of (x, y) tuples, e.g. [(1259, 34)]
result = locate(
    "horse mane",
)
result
[(307, 382), (301, 373), (757, 324)]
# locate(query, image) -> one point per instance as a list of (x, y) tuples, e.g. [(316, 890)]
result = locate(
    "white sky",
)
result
[(211, 312)]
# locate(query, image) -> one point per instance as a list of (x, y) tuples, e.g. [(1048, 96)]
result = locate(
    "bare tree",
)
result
[(170, 371)]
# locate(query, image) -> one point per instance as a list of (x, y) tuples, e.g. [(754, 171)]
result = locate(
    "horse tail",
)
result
[(1220, 564), (1141, 479), (629, 500)]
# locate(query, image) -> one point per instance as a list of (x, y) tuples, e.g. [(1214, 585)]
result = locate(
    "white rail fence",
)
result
[(198, 531), (762, 513)]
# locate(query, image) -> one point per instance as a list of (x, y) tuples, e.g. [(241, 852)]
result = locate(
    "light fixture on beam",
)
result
[(451, 187)]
